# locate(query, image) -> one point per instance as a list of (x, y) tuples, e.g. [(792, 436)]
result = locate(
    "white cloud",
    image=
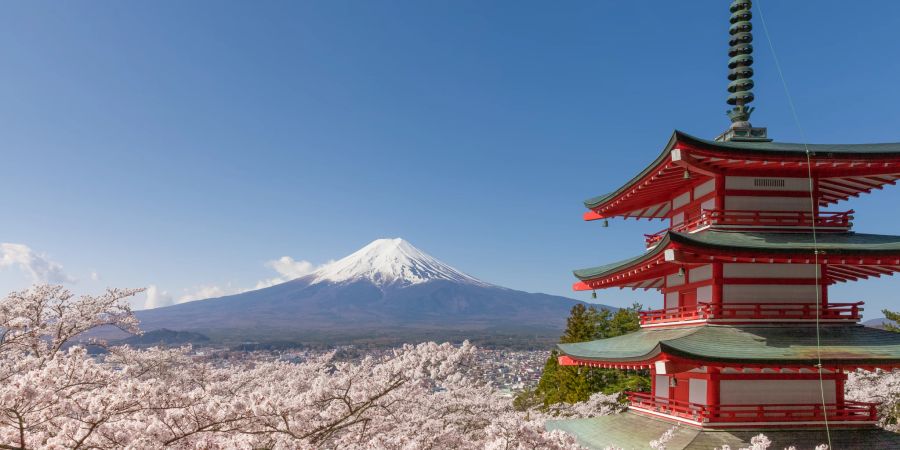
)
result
[(37, 266), (204, 292), (156, 297), (95, 276), (288, 269)]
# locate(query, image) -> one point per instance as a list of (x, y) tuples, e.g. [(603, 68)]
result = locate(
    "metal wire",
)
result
[(812, 206)]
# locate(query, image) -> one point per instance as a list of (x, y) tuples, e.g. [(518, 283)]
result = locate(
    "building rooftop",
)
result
[(839, 345), (775, 151), (760, 244), (629, 430)]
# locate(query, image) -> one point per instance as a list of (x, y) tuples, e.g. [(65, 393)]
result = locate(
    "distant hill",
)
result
[(164, 337), (878, 323), (387, 292)]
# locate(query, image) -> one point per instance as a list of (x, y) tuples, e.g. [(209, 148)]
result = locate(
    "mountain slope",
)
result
[(390, 261), (879, 322), (388, 289)]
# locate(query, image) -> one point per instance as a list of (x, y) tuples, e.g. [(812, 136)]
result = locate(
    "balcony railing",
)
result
[(849, 411), (753, 311), (751, 220)]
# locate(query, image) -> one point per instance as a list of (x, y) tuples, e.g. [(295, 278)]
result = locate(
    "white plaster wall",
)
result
[(674, 280), (671, 300), (766, 293), (704, 294), (747, 392), (765, 270), (708, 204), (677, 219), (700, 273), (748, 203), (681, 200), (747, 183), (662, 386), (705, 188), (697, 391)]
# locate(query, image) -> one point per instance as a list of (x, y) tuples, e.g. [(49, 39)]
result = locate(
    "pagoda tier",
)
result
[(747, 336), (734, 180), (743, 377), (632, 431), (747, 339), (755, 348), (737, 277)]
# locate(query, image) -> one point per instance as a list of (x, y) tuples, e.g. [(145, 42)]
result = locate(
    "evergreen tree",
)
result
[(582, 324), (574, 383), (895, 316)]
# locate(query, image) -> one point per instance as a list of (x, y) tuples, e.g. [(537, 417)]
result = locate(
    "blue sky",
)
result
[(187, 145)]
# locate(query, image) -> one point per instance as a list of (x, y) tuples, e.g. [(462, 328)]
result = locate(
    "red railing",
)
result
[(778, 218), (693, 224), (745, 219), (693, 411), (753, 311), (677, 314), (849, 411)]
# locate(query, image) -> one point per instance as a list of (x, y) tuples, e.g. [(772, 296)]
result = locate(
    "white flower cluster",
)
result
[(878, 387), (52, 396)]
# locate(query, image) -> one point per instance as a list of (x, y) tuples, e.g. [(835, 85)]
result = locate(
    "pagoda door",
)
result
[(688, 298), (681, 393)]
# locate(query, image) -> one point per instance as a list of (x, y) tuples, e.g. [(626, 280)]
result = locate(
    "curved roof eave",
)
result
[(840, 345), (831, 243), (597, 201), (769, 243), (889, 149), (641, 345), (599, 271), (884, 149)]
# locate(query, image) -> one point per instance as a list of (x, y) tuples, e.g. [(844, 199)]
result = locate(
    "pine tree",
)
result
[(582, 324), (572, 384), (895, 317)]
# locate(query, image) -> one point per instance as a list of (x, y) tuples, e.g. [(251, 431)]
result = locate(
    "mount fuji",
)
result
[(387, 292), (391, 262)]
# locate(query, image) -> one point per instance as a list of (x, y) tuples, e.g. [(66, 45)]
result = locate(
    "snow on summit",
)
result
[(390, 261)]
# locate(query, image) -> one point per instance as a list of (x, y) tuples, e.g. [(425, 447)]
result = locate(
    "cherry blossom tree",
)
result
[(53, 395), (880, 387)]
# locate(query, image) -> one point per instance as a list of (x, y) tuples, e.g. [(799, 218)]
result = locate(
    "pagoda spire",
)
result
[(740, 52), (740, 74)]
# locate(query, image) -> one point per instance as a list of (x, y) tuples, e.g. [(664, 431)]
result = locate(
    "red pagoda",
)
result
[(747, 339)]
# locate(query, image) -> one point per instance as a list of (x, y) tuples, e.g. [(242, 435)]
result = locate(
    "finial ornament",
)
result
[(740, 52)]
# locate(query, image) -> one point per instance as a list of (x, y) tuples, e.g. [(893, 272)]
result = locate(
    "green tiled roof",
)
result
[(770, 148), (782, 148), (789, 345), (594, 272), (626, 430), (632, 431), (830, 243)]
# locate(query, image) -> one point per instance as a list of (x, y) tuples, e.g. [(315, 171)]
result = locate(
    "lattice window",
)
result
[(769, 182)]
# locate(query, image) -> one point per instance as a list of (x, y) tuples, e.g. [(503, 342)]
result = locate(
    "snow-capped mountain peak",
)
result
[(390, 261)]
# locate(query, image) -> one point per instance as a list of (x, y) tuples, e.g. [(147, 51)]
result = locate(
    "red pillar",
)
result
[(720, 192), (815, 192), (839, 380), (713, 392), (717, 288)]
